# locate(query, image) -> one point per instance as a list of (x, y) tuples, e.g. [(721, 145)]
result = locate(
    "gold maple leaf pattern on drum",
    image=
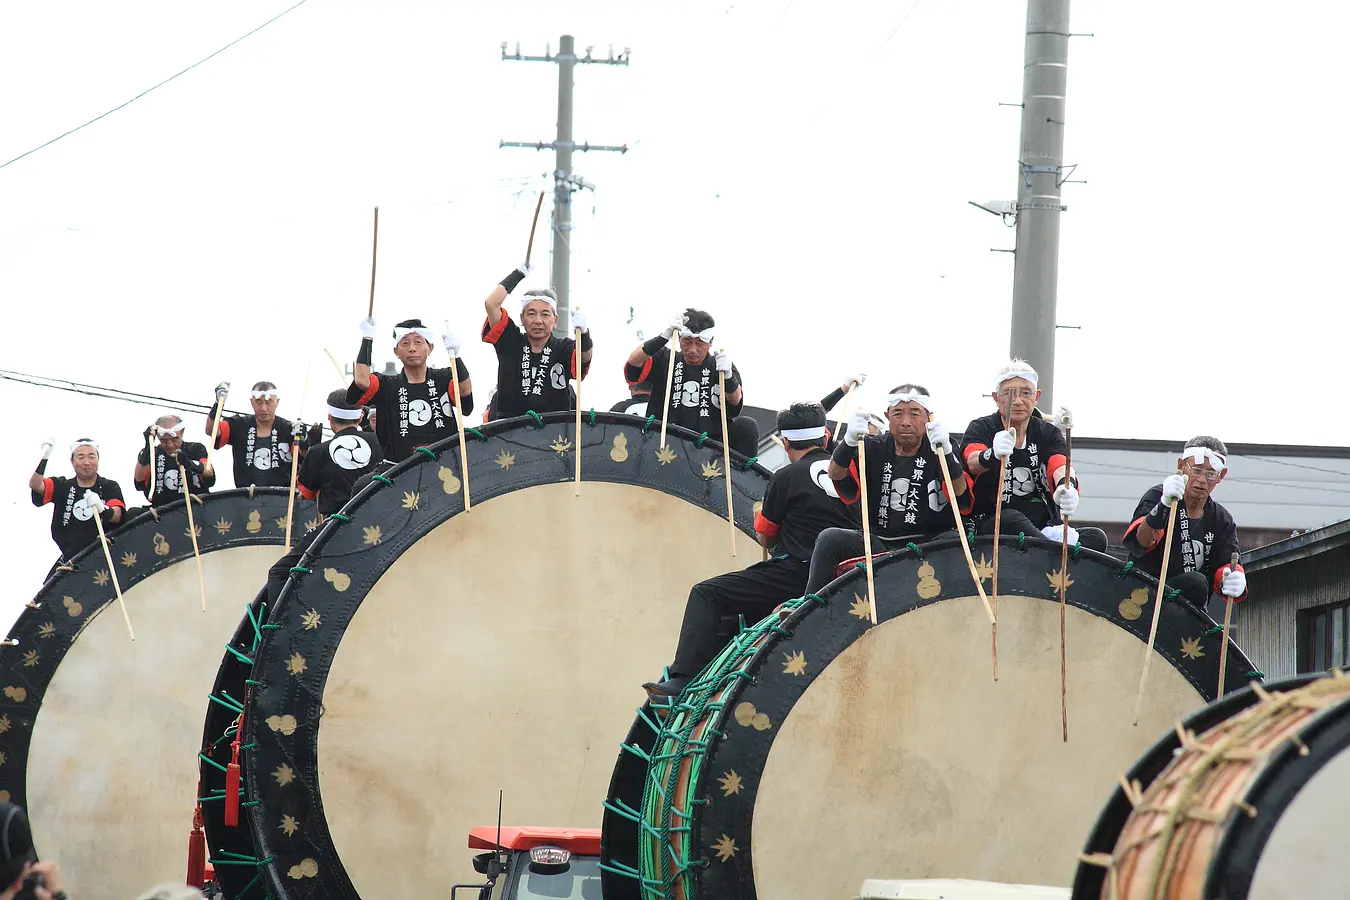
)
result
[(747, 715), (2, 758), (73, 606), (560, 445), (128, 559), (296, 664), (712, 469), (281, 523), (47, 630), (505, 460), (30, 659), (284, 774), (339, 580), (1132, 607), (371, 535), (725, 848), (1191, 648), (193, 532), (306, 868), (411, 499), (310, 620), (985, 568), (285, 724), (730, 783), (1060, 579), (15, 693), (4, 724), (223, 527), (288, 825), (101, 577), (795, 663), (860, 608), (449, 480), (313, 523), (666, 456)]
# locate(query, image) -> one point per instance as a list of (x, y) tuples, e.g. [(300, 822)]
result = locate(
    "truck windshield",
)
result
[(580, 882)]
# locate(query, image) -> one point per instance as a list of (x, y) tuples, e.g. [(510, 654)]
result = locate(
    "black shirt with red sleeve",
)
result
[(1027, 485), (73, 526), (166, 478), (331, 468), (696, 394), (1203, 545), (261, 461), (527, 380), (906, 494), (408, 415), (799, 503)]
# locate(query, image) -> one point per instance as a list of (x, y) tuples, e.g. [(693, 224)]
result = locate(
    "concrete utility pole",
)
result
[(564, 182), (1040, 175)]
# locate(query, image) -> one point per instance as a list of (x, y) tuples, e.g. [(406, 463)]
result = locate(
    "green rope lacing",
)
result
[(1213, 630), (648, 424), (1022, 541), (701, 438), (340, 517), (1171, 594), (426, 451), (592, 416), (918, 554), (383, 479), (748, 463), (300, 570), (810, 597), (475, 432), (1256, 673), (538, 420), (1076, 548), (1129, 564), (242, 658)]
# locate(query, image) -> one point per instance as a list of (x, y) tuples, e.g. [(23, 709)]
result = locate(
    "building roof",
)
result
[(1299, 546)]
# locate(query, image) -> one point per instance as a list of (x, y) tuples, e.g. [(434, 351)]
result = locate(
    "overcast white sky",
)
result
[(801, 169)]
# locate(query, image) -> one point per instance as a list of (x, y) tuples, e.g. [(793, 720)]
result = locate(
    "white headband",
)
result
[(910, 396), (527, 299), (176, 429), (1198, 455), (345, 415), (803, 434), (83, 442), (706, 335), (263, 395), (1016, 373), (427, 334)]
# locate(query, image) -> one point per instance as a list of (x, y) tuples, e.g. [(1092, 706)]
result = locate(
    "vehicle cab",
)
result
[(533, 863)]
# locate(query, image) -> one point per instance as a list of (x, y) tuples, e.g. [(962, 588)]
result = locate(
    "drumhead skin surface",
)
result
[(99, 734), (846, 750), (432, 657)]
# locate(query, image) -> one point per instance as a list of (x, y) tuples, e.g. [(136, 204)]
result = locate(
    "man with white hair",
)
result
[(905, 490), (261, 442), (416, 408), (77, 500), (1038, 490), (160, 480), (1205, 535), (533, 365), (695, 390)]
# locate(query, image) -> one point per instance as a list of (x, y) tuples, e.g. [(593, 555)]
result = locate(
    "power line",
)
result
[(106, 393), (160, 85)]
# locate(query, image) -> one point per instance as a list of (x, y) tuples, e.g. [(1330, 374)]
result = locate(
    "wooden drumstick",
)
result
[(1227, 621), (726, 456), (961, 531), (192, 530), (112, 570), (1065, 422), (215, 421), (1157, 607), (342, 376), (576, 366), (295, 459), (459, 414), (150, 479), (374, 255), (530, 246), (1006, 419), (866, 526), (670, 377)]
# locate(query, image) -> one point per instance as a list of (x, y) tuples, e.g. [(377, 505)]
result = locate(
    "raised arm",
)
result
[(646, 350), (223, 437), (361, 370), (499, 293), (37, 481), (587, 348)]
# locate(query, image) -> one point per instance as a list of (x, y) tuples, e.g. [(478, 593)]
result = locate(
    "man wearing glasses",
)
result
[(1038, 491), (261, 442), (695, 395), (1205, 536)]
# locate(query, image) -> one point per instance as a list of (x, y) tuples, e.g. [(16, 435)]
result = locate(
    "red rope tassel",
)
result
[(196, 867), (232, 779)]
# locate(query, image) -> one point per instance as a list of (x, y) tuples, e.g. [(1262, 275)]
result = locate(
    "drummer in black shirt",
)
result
[(76, 500), (799, 502), (1205, 537), (328, 474), (261, 442), (534, 366), (905, 491), (416, 408), (162, 483), (694, 387)]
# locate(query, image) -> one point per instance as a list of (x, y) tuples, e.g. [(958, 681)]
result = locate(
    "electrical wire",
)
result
[(105, 393)]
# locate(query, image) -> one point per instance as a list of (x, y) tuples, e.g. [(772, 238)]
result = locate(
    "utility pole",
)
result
[(564, 182), (1040, 176)]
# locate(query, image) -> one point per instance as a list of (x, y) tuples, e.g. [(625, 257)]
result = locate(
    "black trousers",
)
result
[(1015, 521), (834, 545), (752, 592), (281, 569)]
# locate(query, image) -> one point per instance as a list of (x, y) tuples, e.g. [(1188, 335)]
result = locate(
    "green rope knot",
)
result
[(270, 627), (538, 419), (251, 683), (300, 570), (383, 479), (1171, 594), (814, 597), (914, 548), (648, 424), (1078, 545), (592, 417), (475, 432), (426, 451), (1022, 541), (1124, 570), (701, 438), (340, 517), (748, 463), (1212, 630), (1256, 673)]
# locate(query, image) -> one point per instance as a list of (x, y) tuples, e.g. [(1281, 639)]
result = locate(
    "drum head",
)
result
[(848, 749), (101, 734), (454, 654)]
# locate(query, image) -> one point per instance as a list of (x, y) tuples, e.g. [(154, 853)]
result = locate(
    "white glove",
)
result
[(856, 379), (525, 269), (1056, 533), (1066, 496), (1234, 583), (857, 428), (579, 320), (94, 502), (451, 342), (723, 360), (1004, 444), (939, 437), (1173, 487), (47, 445), (222, 390), (368, 327), (675, 325)]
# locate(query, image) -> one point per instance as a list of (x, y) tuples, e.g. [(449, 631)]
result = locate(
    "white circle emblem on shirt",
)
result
[(419, 412), (820, 470), (349, 451)]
